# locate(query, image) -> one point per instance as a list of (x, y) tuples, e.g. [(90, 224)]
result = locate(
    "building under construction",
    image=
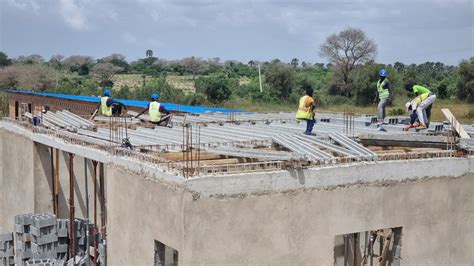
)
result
[(230, 187)]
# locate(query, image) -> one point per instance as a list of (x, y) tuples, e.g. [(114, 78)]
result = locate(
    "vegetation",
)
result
[(348, 81)]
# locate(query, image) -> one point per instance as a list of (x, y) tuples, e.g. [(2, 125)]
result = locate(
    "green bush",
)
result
[(216, 88)]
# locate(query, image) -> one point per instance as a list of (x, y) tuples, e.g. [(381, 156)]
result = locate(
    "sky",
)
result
[(409, 31)]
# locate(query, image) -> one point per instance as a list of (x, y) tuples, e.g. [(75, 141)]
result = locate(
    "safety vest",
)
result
[(417, 89), (154, 112), (383, 92), (305, 109), (419, 99), (104, 109)]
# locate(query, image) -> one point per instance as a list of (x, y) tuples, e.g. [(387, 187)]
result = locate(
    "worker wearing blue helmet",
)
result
[(156, 111), (109, 106), (384, 96)]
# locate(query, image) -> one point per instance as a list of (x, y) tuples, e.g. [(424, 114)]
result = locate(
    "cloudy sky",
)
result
[(410, 31)]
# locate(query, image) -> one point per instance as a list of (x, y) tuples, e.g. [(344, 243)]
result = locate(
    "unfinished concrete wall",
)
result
[(300, 227), (26, 180), (139, 212), (16, 178), (43, 183)]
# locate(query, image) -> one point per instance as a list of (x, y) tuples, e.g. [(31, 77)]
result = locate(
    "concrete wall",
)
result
[(300, 227), (16, 178), (140, 211), (26, 180), (209, 222)]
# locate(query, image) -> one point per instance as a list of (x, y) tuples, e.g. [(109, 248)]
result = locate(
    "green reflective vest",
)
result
[(104, 109), (383, 92), (418, 90), (154, 112)]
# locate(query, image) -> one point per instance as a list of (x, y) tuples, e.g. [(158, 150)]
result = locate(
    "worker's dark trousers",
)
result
[(309, 126)]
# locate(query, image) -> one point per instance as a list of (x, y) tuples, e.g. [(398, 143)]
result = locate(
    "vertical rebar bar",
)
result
[(52, 180), (72, 240), (94, 176), (56, 185), (87, 211)]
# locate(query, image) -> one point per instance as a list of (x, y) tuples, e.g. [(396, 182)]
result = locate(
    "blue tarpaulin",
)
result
[(135, 103)]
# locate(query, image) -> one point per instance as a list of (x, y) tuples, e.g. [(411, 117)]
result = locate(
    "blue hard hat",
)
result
[(155, 96), (107, 93), (383, 72)]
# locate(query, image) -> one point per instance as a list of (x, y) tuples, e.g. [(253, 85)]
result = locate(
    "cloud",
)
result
[(72, 14), (129, 38), (25, 5)]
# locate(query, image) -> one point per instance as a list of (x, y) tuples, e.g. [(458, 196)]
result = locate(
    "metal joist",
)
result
[(298, 146), (352, 145), (327, 145), (257, 154)]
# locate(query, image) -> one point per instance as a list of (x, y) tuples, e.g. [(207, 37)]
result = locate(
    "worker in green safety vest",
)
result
[(384, 97), (423, 108), (157, 112)]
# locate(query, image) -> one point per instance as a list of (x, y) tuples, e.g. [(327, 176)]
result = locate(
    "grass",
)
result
[(464, 112)]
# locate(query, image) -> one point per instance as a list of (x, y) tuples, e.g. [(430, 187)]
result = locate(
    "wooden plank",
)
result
[(456, 125), (384, 256)]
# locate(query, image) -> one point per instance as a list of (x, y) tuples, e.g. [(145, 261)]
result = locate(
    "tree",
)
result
[(149, 53), (295, 62), (104, 72), (347, 49), (56, 60), (4, 60), (281, 79), (194, 66), (465, 86), (9, 76), (399, 66), (78, 60), (34, 59), (28, 77), (216, 88), (117, 60)]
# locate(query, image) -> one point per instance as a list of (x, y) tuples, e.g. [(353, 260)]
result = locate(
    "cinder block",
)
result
[(63, 248), (47, 230), (6, 237), (41, 240), (7, 253), (43, 220), (23, 254)]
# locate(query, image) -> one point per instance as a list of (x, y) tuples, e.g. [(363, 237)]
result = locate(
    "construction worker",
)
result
[(384, 97), (306, 110), (108, 106), (156, 111), (424, 104)]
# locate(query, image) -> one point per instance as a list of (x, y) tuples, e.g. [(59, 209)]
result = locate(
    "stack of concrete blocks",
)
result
[(80, 231), (80, 261), (63, 240), (23, 238), (45, 238), (6, 249), (45, 262), (101, 251)]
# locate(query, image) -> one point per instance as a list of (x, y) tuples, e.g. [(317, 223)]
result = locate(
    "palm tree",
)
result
[(149, 53)]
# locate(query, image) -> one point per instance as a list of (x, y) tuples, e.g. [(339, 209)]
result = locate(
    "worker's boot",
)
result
[(421, 126)]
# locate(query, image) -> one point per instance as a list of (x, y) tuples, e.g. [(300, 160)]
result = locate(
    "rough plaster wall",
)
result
[(42, 179), (300, 228), (16, 180), (140, 211)]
